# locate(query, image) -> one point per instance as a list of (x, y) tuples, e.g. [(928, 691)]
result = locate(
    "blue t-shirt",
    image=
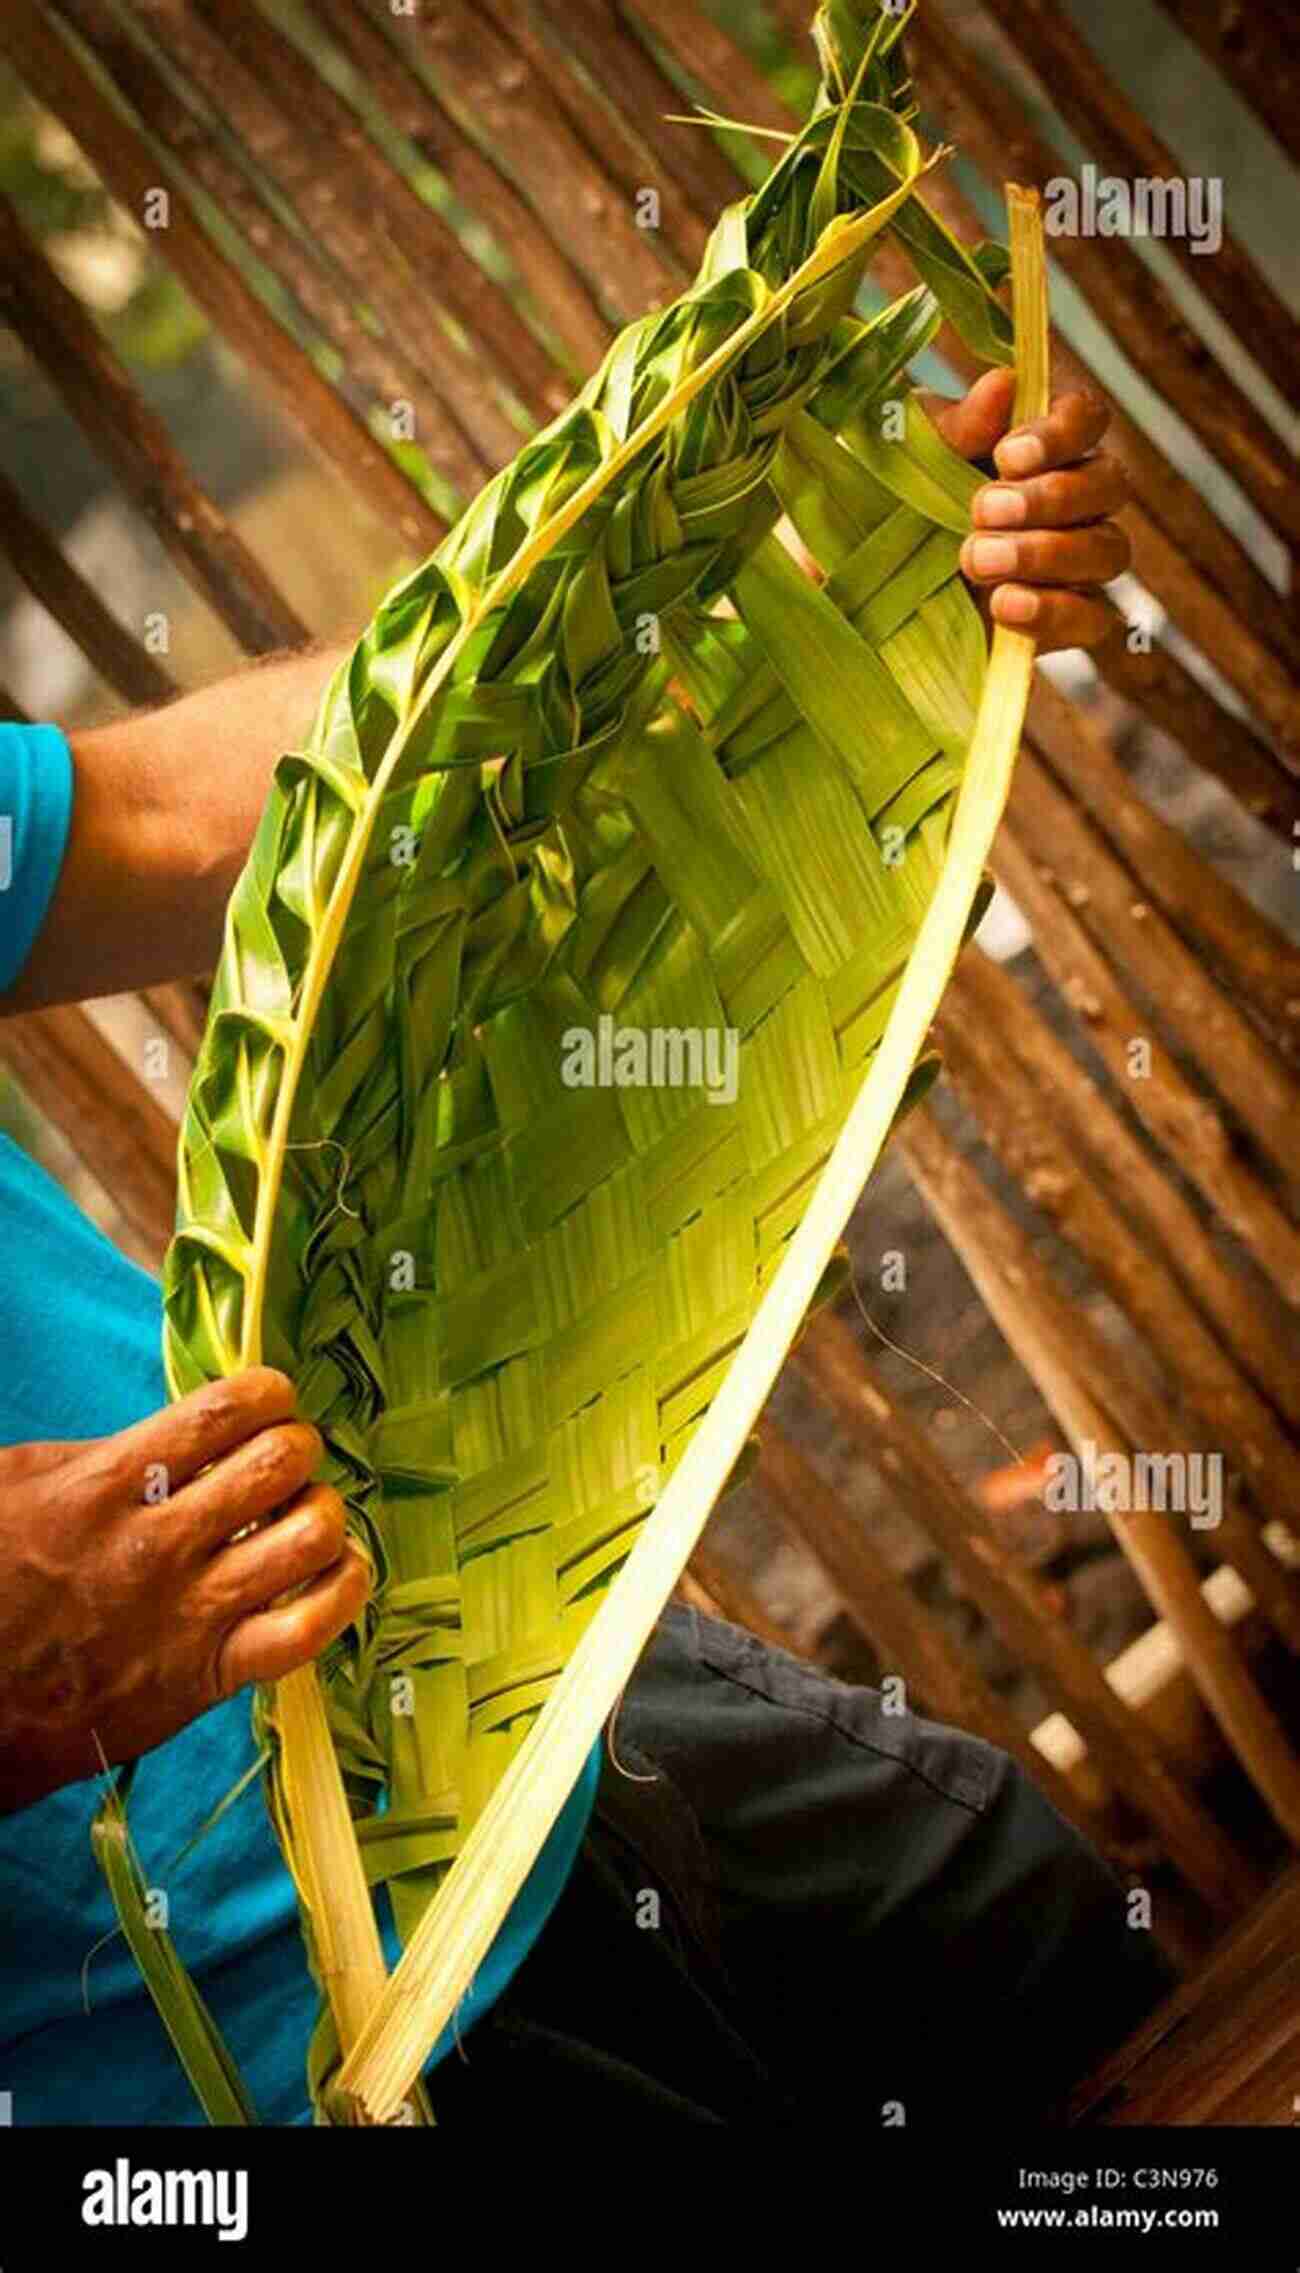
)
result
[(82, 1337)]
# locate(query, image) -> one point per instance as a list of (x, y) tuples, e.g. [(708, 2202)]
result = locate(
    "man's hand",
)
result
[(1044, 538), (124, 1616)]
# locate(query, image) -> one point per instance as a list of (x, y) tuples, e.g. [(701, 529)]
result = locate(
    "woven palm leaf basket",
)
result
[(578, 970)]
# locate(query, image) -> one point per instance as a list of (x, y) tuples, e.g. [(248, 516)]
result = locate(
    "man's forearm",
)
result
[(164, 808)]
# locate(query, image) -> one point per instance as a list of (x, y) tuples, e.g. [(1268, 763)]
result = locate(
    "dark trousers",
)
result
[(788, 1895)]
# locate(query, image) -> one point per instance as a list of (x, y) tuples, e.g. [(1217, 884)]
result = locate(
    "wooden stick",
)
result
[(1255, 1949), (1212, 736), (1235, 1060), (1016, 1602), (1259, 962), (988, 1016), (1081, 1115), (730, 1596), (45, 61), (1254, 48), (115, 1126), (987, 123), (181, 1009), (1023, 1301), (695, 177), (711, 58), (906, 1640), (1242, 2053), (483, 81), (1115, 134), (378, 368), (487, 192), (796, 22), (1149, 1676), (1183, 1121), (57, 332), (74, 603), (407, 258)]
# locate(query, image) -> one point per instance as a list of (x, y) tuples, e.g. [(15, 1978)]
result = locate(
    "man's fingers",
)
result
[(1048, 556), (972, 425), (199, 1428), (250, 1483), (271, 1643), (1073, 426), (1062, 499), (307, 1538), (1056, 619)]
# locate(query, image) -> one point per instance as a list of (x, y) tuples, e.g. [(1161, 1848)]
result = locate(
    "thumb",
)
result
[(972, 426)]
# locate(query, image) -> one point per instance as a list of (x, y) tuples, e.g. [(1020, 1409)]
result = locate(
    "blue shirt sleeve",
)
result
[(35, 812)]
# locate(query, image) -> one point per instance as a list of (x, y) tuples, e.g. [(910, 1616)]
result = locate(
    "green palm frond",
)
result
[(609, 764)]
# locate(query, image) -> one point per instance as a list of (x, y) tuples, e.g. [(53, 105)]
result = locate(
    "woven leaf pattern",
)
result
[(589, 788)]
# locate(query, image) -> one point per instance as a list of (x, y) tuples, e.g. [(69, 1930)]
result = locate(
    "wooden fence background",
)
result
[(424, 222)]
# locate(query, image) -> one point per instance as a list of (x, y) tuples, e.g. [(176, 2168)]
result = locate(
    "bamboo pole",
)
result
[(1114, 133), (987, 123), (1135, 937), (1183, 1121), (986, 1017), (74, 603), (1254, 48), (905, 1639), (1041, 1327), (1258, 961), (48, 65), (1017, 1606), (378, 368), (486, 192)]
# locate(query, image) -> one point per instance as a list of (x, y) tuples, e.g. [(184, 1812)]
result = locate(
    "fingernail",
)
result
[(1020, 454), (1017, 606), (992, 556), (1002, 508)]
